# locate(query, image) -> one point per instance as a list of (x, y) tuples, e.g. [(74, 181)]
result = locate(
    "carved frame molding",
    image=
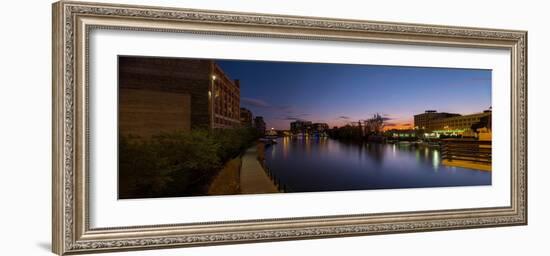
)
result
[(72, 22)]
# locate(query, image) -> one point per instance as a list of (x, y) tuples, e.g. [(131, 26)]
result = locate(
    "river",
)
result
[(323, 164)]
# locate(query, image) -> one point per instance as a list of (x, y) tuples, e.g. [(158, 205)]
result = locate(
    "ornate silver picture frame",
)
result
[(72, 24)]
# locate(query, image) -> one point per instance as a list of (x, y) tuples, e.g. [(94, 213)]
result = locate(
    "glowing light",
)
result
[(213, 77), (450, 131)]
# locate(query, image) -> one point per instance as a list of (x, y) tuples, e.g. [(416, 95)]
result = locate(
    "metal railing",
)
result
[(276, 180), (281, 187)]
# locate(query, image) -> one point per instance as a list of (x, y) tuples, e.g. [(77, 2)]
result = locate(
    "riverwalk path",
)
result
[(254, 180)]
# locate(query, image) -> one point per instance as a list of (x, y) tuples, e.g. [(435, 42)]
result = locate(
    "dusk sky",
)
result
[(338, 94)]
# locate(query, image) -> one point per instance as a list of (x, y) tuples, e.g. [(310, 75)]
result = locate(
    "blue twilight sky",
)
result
[(338, 94)]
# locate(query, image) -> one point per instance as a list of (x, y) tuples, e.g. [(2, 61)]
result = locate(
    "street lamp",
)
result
[(212, 99)]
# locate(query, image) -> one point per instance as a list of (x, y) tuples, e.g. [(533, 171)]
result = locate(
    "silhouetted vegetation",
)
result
[(348, 132), (363, 130), (179, 163)]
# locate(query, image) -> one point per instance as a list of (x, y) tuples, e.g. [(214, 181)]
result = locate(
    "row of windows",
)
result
[(468, 121), (450, 119), (227, 100), (223, 121), (227, 110)]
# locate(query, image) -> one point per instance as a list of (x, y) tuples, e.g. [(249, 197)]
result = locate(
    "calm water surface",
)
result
[(307, 165)]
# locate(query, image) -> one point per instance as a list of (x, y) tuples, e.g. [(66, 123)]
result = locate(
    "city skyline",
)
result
[(337, 94)]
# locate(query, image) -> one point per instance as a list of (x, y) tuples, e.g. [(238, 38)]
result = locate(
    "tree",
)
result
[(375, 124)]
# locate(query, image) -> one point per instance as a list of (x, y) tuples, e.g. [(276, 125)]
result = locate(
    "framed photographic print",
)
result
[(178, 127)]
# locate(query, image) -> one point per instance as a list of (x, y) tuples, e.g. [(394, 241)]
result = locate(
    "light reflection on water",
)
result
[(321, 164), (435, 159)]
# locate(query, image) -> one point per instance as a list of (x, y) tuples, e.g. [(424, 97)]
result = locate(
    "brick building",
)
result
[(170, 94), (227, 94), (246, 117)]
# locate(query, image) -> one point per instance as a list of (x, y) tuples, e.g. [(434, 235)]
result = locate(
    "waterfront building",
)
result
[(453, 124), (226, 103), (459, 123), (401, 134), (319, 127), (246, 117), (300, 126), (172, 94), (259, 124), (308, 128), (425, 120)]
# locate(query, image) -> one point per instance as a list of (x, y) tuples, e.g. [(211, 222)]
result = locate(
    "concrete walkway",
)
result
[(254, 180)]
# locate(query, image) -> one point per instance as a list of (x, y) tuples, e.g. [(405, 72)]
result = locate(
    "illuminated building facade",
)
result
[(308, 128), (455, 123), (401, 134), (227, 95), (425, 120), (458, 123), (300, 126)]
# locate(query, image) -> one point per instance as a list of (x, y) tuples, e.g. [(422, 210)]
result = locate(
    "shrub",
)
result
[(178, 163)]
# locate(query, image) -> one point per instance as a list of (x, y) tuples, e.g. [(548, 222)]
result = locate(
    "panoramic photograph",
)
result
[(200, 127)]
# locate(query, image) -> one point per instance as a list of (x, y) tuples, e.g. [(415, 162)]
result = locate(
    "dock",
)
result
[(466, 153)]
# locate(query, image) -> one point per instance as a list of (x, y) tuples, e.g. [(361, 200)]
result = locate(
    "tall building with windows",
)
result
[(175, 94), (226, 102), (259, 124), (307, 127), (300, 126), (246, 117)]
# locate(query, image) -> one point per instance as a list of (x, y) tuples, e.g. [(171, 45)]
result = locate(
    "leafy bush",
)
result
[(178, 163), (233, 141)]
